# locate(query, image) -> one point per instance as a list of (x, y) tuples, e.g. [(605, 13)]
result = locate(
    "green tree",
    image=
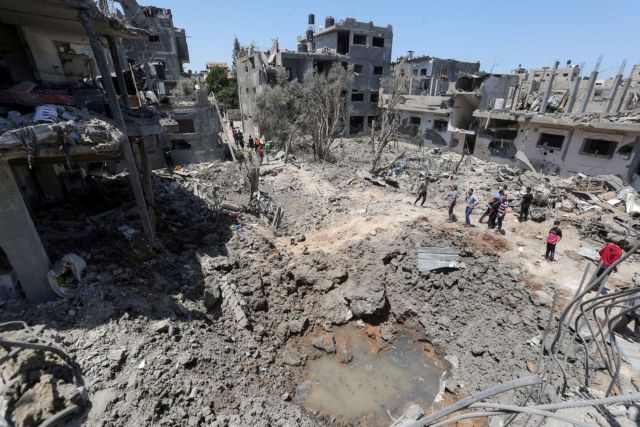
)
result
[(234, 55), (224, 88)]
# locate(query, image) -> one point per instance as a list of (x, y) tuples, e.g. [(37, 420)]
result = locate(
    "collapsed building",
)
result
[(62, 123), (562, 123), (363, 47)]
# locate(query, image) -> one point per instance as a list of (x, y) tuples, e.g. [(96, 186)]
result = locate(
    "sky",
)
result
[(501, 34)]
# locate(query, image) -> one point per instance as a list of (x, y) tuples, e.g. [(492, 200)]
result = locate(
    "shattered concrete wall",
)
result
[(497, 91), (197, 139), (433, 76), (427, 132), (251, 77)]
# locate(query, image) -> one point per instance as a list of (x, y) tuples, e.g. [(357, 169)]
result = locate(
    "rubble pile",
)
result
[(218, 327)]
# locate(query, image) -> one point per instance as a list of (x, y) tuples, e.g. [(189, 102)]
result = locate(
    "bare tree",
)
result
[(386, 127)]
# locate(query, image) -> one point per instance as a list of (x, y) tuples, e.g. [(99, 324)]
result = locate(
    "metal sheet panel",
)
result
[(433, 258)]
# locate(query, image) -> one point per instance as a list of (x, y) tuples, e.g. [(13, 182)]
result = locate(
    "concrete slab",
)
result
[(630, 353)]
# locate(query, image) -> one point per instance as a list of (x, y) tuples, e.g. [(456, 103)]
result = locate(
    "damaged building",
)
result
[(562, 122), (62, 123), (364, 47)]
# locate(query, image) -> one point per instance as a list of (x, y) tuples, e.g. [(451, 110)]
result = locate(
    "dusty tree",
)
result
[(385, 128), (276, 109), (314, 110), (322, 109)]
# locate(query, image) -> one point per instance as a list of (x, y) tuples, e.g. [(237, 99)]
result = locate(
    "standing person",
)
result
[(495, 195), (260, 151), (493, 206), (168, 157), (231, 123), (251, 143), (472, 202), (554, 236), (422, 192), (241, 140), (452, 199), (234, 131), (525, 204), (502, 212)]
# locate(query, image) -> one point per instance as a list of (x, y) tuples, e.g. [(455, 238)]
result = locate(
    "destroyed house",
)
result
[(164, 49), (362, 46), (60, 122), (256, 69), (429, 76)]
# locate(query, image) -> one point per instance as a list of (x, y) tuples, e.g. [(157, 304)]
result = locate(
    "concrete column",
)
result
[(545, 100), (587, 96), (574, 94), (614, 92), (117, 65), (627, 84), (147, 184), (110, 90), (20, 240)]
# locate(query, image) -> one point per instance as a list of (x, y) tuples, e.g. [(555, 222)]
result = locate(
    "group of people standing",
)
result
[(256, 144)]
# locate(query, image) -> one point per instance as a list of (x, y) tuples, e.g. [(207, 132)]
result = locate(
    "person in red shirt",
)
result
[(609, 254)]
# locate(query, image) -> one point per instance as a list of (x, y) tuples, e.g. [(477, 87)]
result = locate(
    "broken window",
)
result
[(377, 42), (423, 72), (502, 148), (377, 70), (357, 68), (440, 125), (550, 140), (154, 38), (186, 126), (373, 122), (375, 97), (415, 120), (359, 39), (625, 151), (246, 68), (343, 42), (355, 97), (180, 144), (598, 147)]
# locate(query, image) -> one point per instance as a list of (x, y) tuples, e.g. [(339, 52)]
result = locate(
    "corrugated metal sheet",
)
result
[(433, 258)]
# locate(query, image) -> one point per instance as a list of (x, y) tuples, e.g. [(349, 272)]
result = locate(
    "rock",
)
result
[(367, 297), (531, 367), (36, 404), (539, 297), (161, 327), (282, 331), (212, 296), (567, 205), (477, 350), (325, 342), (292, 358), (414, 412), (186, 359), (334, 307), (453, 360), (298, 326), (118, 356), (344, 355), (323, 285)]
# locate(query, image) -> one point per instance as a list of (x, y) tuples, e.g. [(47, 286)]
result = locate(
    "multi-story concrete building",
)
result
[(432, 76), (364, 47), (165, 48)]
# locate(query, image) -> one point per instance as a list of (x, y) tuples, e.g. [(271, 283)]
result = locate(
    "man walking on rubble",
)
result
[(496, 195), (422, 192), (493, 206), (502, 212), (525, 204), (472, 202), (554, 236), (452, 199)]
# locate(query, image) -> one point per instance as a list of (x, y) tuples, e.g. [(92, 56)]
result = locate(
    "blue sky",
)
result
[(499, 33)]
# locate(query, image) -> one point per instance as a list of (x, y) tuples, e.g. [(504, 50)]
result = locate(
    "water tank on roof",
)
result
[(312, 19), (329, 22)]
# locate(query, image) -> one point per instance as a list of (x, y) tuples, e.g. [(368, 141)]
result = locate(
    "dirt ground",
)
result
[(216, 328)]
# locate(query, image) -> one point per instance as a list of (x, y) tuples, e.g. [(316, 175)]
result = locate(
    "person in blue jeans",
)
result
[(472, 202)]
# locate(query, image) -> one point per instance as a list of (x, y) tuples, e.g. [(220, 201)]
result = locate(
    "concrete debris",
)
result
[(66, 273)]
